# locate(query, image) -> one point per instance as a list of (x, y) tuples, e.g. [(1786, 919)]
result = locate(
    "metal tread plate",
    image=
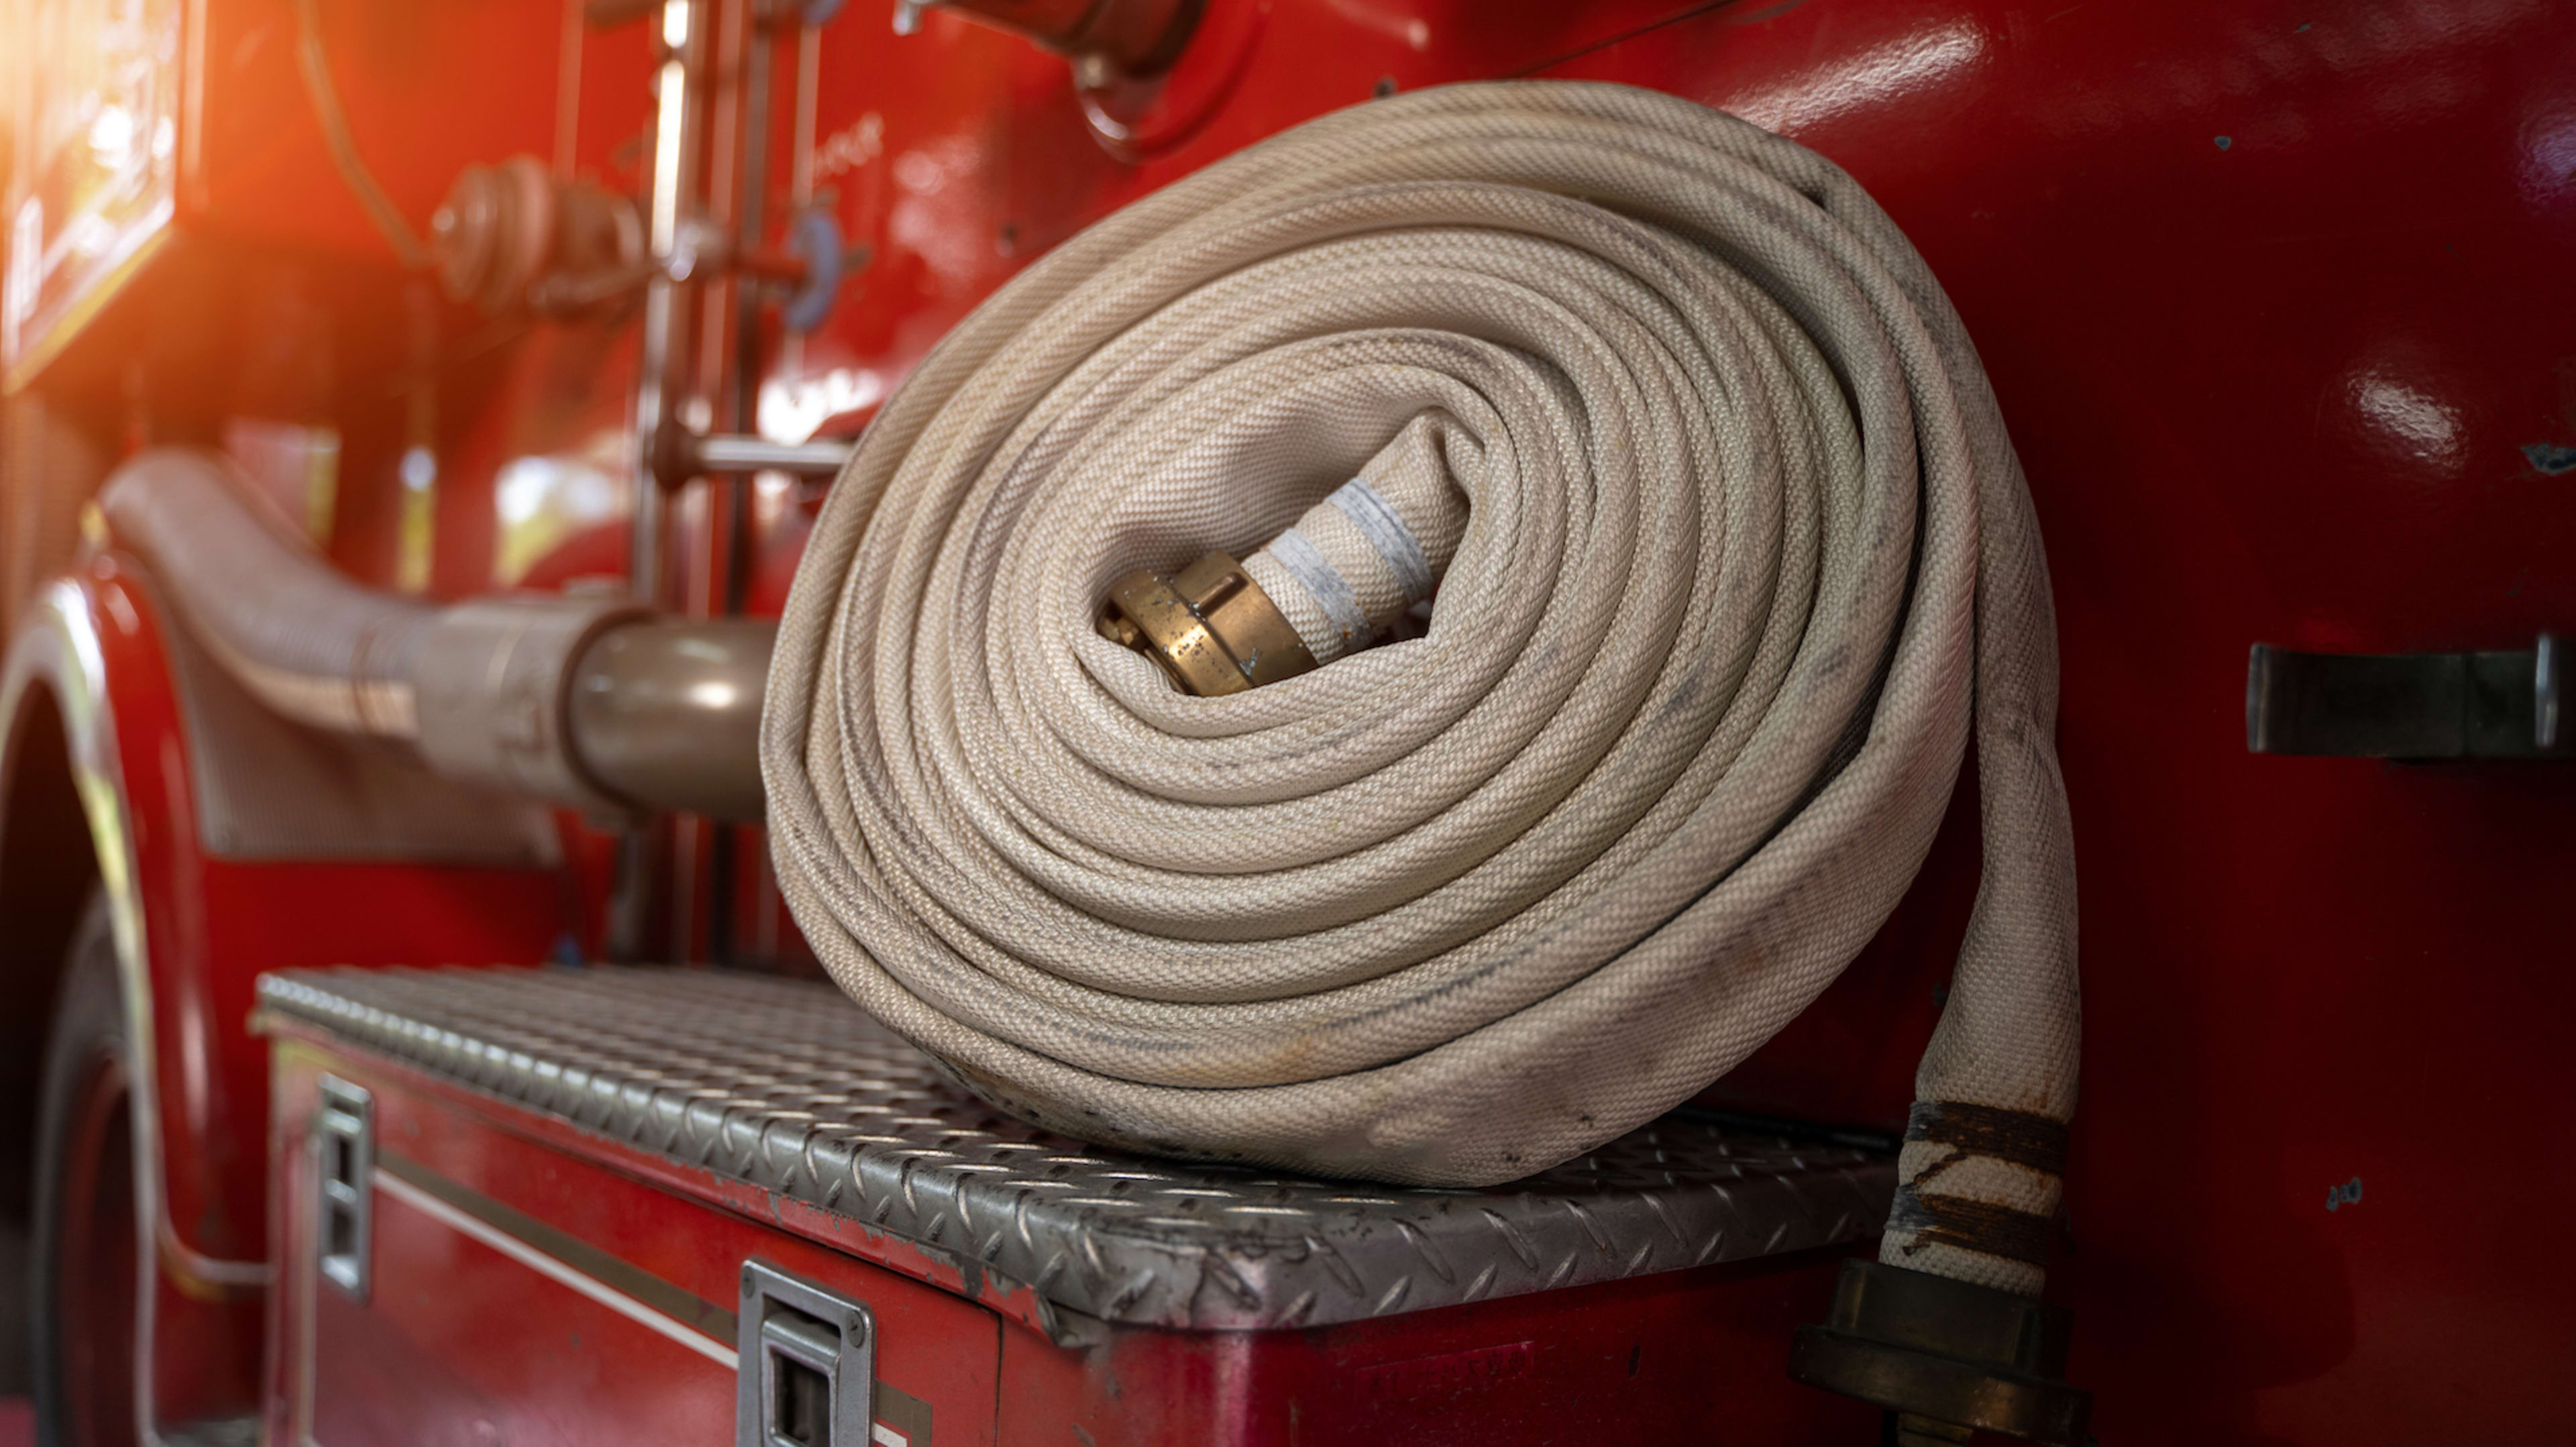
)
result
[(788, 1086)]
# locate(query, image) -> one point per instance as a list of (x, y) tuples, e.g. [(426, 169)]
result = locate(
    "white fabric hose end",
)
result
[(1977, 1194), (1733, 559), (1358, 561)]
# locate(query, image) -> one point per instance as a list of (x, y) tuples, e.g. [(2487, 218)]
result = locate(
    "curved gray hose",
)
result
[(300, 637), (582, 701), (1748, 557)]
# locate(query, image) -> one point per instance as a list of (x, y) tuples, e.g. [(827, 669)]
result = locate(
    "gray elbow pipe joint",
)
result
[(493, 684), (597, 704), (591, 702), (668, 710)]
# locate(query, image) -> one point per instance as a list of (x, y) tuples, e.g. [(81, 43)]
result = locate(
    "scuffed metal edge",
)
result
[(1399, 1251)]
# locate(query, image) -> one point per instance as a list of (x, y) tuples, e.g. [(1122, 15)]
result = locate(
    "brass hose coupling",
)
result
[(1211, 628)]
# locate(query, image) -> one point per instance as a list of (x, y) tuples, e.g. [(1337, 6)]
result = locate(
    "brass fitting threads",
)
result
[(1210, 627)]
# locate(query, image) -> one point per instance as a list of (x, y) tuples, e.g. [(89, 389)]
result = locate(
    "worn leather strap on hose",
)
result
[(1748, 559)]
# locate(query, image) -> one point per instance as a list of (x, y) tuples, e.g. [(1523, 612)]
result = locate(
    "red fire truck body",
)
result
[(2274, 300), (537, 1273)]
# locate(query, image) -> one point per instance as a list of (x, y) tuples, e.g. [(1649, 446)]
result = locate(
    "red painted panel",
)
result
[(2260, 288), (1692, 1356), (258, 165), (496, 1342), (458, 1334), (210, 926), (462, 1344)]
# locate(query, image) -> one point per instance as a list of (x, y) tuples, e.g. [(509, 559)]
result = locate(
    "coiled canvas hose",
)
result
[(1747, 556)]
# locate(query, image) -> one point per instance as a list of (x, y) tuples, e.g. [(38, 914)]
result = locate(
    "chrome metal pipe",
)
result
[(478, 690), (671, 206), (666, 713), (303, 638), (734, 452)]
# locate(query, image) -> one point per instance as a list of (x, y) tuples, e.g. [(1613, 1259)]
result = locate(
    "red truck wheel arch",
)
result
[(93, 721)]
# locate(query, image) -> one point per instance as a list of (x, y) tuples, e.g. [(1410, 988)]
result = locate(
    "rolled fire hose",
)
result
[(1746, 559)]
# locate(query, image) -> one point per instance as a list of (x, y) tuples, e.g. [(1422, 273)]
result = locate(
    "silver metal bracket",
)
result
[(808, 1370), (734, 452), (344, 1163), (2500, 705)]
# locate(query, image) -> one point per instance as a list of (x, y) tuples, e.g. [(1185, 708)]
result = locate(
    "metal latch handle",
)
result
[(2485, 705)]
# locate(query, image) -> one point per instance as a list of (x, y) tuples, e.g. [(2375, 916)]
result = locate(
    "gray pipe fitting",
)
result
[(667, 710), (493, 681), (591, 702)]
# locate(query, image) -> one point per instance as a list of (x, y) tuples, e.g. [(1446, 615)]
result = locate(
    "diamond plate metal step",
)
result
[(788, 1086)]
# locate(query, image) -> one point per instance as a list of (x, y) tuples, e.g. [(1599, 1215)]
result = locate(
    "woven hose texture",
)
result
[(1747, 559)]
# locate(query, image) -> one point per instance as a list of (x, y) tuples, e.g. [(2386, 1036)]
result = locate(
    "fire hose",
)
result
[(1742, 559)]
